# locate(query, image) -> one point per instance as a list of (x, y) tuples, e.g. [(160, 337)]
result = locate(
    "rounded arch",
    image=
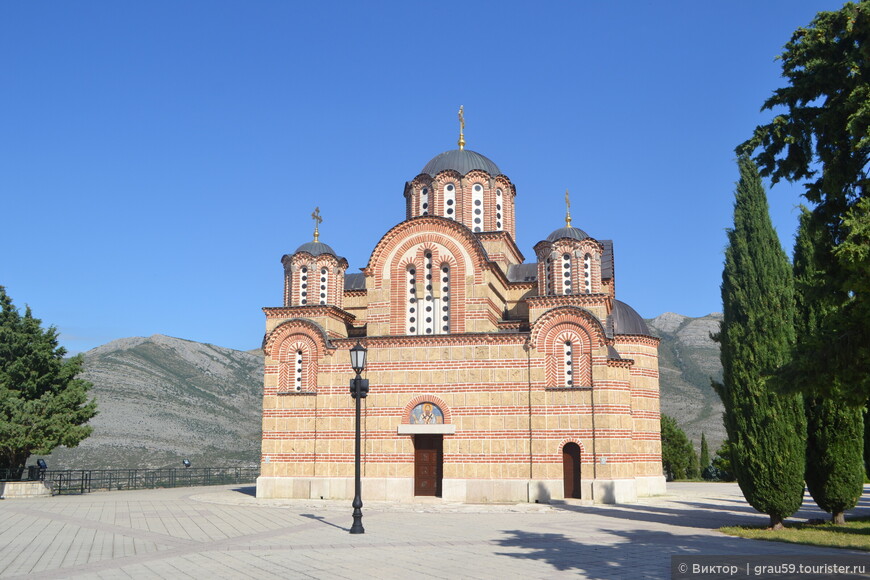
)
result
[(455, 236), (299, 327), (414, 401), (572, 315), (575, 440)]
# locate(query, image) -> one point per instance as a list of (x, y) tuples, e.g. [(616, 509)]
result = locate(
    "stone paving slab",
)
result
[(224, 532)]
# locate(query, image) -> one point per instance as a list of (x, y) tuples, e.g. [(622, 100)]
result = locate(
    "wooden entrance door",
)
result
[(428, 459), (571, 469)]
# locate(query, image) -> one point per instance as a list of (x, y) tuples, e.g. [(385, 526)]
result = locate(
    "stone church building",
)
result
[(492, 378)]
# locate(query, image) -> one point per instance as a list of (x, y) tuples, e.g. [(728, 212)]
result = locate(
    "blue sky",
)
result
[(158, 158)]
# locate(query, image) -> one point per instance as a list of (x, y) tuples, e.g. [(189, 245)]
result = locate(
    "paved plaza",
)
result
[(224, 532)]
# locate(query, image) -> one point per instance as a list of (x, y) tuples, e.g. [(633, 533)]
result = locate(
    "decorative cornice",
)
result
[(313, 311), (556, 300), (455, 339), (638, 339), (499, 236)]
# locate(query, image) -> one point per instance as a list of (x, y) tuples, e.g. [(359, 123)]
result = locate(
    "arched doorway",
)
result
[(571, 469)]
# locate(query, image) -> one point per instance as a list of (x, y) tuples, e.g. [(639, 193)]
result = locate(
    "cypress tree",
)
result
[(705, 453), (867, 440), (835, 438), (766, 430)]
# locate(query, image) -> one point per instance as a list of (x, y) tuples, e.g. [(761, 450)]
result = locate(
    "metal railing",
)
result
[(86, 480)]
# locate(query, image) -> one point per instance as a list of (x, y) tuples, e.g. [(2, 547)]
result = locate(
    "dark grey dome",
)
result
[(569, 232), (315, 249), (461, 160), (626, 320)]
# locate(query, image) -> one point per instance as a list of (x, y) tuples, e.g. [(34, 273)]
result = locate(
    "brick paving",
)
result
[(224, 532)]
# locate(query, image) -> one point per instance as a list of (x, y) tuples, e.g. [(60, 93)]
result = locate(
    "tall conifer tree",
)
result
[(705, 453), (835, 438), (766, 430)]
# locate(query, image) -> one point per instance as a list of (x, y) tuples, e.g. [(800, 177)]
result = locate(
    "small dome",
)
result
[(462, 161), (568, 232), (315, 249), (626, 320)]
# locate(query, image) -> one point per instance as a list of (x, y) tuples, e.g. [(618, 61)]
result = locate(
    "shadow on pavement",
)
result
[(250, 490), (613, 560), (322, 520)]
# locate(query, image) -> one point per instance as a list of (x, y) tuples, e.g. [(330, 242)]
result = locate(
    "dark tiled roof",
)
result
[(461, 160), (626, 320), (607, 259), (315, 249), (522, 272), (355, 281), (568, 232)]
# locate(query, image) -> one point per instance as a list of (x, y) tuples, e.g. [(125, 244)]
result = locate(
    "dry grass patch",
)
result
[(854, 535)]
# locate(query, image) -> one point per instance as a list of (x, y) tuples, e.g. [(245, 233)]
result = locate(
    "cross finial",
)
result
[(567, 210), (317, 220), (461, 128)]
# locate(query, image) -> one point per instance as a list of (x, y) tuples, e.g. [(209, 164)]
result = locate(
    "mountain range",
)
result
[(164, 399)]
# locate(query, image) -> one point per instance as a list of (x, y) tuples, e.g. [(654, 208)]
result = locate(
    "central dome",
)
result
[(462, 161), (567, 232)]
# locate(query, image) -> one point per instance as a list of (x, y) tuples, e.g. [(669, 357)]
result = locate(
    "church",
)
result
[(493, 379)]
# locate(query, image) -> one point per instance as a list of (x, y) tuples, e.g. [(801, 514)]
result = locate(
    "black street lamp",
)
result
[(359, 389)]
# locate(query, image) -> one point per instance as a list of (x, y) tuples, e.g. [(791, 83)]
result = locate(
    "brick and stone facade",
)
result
[(491, 379)]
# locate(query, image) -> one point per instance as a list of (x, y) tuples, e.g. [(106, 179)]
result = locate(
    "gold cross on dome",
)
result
[(567, 210), (461, 128), (317, 221)]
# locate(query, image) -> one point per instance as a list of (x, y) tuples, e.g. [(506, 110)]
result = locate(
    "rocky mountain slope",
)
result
[(688, 360), (164, 399)]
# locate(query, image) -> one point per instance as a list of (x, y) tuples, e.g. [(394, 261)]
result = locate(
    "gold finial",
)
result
[(461, 128), (317, 220), (567, 210)]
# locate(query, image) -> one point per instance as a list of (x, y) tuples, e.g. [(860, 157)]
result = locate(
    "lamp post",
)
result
[(359, 388)]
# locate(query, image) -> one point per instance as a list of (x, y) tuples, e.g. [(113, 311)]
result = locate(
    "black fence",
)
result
[(87, 480)]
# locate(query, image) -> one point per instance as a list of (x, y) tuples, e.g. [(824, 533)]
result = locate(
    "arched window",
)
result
[(324, 276), (444, 302), (424, 201), (293, 369), (450, 201), (568, 362), (428, 297), (565, 274), (303, 285), (412, 319), (427, 308), (477, 213), (297, 383), (587, 274), (498, 209), (568, 356)]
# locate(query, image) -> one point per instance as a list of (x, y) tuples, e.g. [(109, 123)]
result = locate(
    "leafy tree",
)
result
[(834, 469), (705, 453), (821, 138), (42, 404), (720, 467), (677, 450), (766, 430)]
